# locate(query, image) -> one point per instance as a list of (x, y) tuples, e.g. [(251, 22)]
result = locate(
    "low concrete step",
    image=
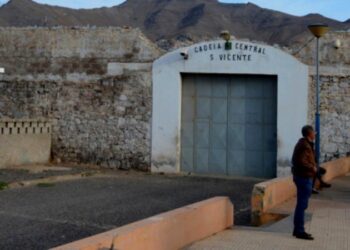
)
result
[(330, 227)]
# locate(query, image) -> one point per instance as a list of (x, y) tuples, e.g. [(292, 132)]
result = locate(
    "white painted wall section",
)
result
[(211, 58)]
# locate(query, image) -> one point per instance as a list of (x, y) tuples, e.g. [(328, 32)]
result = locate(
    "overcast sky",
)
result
[(337, 9)]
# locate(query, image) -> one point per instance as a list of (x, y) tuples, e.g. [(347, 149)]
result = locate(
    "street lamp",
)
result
[(225, 34), (318, 30)]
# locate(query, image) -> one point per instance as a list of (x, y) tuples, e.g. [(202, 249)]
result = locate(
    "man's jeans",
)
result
[(304, 190)]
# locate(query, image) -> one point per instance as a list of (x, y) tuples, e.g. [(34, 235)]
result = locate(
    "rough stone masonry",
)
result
[(335, 92), (94, 84)]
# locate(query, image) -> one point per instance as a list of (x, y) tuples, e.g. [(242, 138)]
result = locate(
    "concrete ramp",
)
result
[(168, 231)]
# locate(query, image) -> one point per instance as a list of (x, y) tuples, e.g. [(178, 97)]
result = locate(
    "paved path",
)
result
[(43, 217), (328, 221)]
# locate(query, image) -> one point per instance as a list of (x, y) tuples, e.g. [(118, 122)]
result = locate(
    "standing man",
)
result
[(304, 170)]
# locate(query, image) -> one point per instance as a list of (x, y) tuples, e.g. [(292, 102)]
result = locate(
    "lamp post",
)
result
[(318, 30)]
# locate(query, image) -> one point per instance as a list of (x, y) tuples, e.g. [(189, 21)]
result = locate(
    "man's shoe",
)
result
[(314, 191), (303, 236), (325, 185), (294, 233)]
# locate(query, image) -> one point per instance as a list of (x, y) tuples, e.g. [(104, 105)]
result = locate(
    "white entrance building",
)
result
[(227, 112)]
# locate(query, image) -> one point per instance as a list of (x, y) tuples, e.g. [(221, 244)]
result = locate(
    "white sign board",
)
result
[(2, 70)]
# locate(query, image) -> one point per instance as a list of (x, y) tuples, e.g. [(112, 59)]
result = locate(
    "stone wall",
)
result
[(99, 115), (94, 85), (335, 116), (335, 92)]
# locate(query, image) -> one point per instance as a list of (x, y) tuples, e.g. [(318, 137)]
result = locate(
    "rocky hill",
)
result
[(174, 20)]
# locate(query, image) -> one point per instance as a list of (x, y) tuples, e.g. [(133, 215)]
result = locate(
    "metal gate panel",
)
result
[(229, 125), (187, 124)]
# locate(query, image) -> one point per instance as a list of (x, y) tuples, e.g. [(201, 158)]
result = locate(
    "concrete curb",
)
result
[(168, 231), (336, 168), (269, 194)]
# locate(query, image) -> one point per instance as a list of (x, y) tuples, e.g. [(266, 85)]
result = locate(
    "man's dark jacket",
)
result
[(304, 163)]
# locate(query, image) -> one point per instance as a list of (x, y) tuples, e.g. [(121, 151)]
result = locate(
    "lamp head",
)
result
[(225, 34), (318, 30)]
